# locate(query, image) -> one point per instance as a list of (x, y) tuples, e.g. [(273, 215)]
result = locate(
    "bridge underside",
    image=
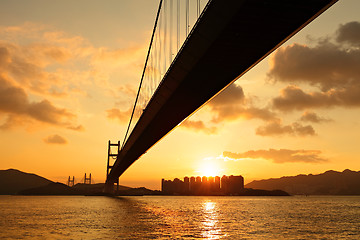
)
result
[(229, 39)]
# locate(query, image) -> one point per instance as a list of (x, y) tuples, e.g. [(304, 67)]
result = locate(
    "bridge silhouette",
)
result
[(184, 69)]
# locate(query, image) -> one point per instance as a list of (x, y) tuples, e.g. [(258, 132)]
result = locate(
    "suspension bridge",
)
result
[(197, 49)]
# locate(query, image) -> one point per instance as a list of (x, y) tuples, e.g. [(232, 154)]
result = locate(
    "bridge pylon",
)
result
[(87, 180), (71, 182), (111, 159)]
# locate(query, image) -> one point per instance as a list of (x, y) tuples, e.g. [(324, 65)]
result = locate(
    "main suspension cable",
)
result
[(143, 73), (178, 26), (170, 31)]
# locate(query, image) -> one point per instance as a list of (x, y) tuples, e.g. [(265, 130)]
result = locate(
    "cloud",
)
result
[(294, 98), (44, 111), (121, 116), (231, 104), (40, 62), (12, 121), (332, 66), (14, 102), (233, 94), (312, 117), (326, 65), (26, 66), (280, 156), (227, 104), (79, 128), (276, 128), (259, 113), (349, 33), (55, 139), (4, 58), (198, 126), (128, 90), (48, 61), (28, 29), (116, 57)]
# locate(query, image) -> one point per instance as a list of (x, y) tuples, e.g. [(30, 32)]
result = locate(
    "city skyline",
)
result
[(68, 78), (212, 185)]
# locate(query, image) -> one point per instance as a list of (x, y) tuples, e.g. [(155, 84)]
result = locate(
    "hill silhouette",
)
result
[(95, 189), (12, 181), (137, 192), (327, 183), (51, 189)]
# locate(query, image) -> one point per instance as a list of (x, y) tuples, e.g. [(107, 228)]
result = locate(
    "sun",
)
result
[(209, 169)]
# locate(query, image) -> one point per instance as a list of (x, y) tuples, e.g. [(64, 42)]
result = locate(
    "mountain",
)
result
[(327, 183), (12, 181)]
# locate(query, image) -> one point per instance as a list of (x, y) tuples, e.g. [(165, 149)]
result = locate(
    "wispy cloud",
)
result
[(279, 156), (313, 117), (277, 128), (117, 114), (198, 126), (77, 128), (55, 139)]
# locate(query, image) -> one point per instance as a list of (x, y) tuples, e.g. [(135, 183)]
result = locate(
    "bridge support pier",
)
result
[(109, 185)]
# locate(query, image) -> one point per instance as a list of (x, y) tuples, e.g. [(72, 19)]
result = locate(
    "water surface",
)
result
[(153, 217)]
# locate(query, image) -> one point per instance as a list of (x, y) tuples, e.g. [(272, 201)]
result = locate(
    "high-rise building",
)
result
[(186, 184), (236, 184), (192, 184), (224, 184), (217, 184)]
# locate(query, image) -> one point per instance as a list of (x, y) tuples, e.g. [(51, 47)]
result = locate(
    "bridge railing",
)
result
[(174, 22)]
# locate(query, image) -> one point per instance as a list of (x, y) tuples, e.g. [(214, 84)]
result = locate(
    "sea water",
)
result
[(179, 217)]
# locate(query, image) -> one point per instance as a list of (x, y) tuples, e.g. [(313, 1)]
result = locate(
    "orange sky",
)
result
[(69, 72)]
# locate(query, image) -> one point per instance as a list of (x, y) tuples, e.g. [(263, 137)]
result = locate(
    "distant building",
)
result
[(186, 184), (236, 184), (192, 184), (217, 184), (225, 185)]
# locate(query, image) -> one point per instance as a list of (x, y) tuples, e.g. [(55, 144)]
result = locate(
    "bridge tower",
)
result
[(71, 182), (112, 157), (87, 180)]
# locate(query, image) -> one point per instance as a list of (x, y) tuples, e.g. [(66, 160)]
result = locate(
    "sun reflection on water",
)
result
[(210, 223)]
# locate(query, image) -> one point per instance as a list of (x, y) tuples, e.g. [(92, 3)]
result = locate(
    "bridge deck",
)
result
[(229, 39)]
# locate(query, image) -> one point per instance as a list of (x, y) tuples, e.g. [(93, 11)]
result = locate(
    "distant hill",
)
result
[(95, 188), (137, 192), (12, 181), (262, 192), (51, 189), (328, 183)]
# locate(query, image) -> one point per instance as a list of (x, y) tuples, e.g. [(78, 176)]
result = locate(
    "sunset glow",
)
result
[(209, 168), (68, 84)]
